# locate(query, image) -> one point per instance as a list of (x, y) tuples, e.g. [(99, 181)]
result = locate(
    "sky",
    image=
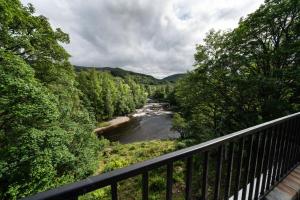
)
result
[(156, 37)]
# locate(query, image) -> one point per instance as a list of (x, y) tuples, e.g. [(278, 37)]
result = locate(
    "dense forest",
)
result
[(48, 109)]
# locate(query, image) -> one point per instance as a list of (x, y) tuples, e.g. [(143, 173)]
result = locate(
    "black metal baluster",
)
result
[(292, 148), (292, 143), (282, 159), (297, 156), (72, 198), (279, 157), (266, 171), (188, 180), (114, 191), (273, 159), (229, 171), (218, 173), (277, 152), (297, 142), (244, 192), (262, 152), (145, 183), (169, 181), (239, 168), (253, 168), (205, 176), (288, 147)]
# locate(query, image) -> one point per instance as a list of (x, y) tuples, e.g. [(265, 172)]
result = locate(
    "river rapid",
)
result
[(153, 121)]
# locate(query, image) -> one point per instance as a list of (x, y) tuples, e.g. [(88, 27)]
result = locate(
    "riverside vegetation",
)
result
[(48, 111)]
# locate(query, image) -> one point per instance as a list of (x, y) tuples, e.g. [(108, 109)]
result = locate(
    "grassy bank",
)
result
[(120, 155)]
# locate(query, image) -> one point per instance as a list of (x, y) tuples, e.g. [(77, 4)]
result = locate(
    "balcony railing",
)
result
[(248, 164)]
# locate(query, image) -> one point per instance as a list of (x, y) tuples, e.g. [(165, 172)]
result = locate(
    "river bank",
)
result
[(151, 122), (112, 124)]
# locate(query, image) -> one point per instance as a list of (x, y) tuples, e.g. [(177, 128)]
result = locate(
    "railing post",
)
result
[(205, 176), (262, 149), (229, 171), (250, 158), (114, 191), (218, 173), (169, 181), (188, 178), (266, 168), (276, 154), (254, 167), (239, 168), (145, 183)]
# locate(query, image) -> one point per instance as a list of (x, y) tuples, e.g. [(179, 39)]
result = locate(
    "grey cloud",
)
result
[(149, 36)]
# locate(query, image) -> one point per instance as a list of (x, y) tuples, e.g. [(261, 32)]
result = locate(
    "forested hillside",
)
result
[(173, 78), (118, 72)]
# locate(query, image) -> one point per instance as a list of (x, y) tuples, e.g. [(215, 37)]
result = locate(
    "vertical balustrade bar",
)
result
[(284, 144), (114, 191), (266, 171), (284, 159), (285, 130), (188, 180), (229, 171), (295, 150), (205, 176), (274, 151), (287, 155), (277, 156), (218, 173), (292, 149), (296, 128), (297, 156), (145, 183), (248, 164), (239, 168), (254, 166), (297, 140), (293, 142), (262, 152), (169, 181), (281, 149)]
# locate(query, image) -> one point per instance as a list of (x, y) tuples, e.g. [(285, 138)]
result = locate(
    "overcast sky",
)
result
[(155, 37)]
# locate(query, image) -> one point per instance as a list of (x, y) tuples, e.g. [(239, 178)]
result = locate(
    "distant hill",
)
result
[(173, 78), (138, 77)]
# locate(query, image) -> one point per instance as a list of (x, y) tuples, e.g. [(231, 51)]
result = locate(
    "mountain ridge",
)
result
[(140, 77)]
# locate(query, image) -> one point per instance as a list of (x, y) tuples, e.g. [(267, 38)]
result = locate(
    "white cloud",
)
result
[(149, 36)]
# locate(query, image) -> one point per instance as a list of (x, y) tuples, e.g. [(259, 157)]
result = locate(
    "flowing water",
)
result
[(148, 123)]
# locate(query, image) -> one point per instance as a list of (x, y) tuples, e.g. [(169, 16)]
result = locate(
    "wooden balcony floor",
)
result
[(287, 189)]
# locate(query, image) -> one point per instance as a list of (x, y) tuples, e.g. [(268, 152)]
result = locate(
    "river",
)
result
[(148, 123)]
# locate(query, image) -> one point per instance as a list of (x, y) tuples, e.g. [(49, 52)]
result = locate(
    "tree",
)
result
[(46, 133), (245, 76), (28, 130)]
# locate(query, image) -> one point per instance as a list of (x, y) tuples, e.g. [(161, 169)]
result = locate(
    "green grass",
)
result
[(121, 155)]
